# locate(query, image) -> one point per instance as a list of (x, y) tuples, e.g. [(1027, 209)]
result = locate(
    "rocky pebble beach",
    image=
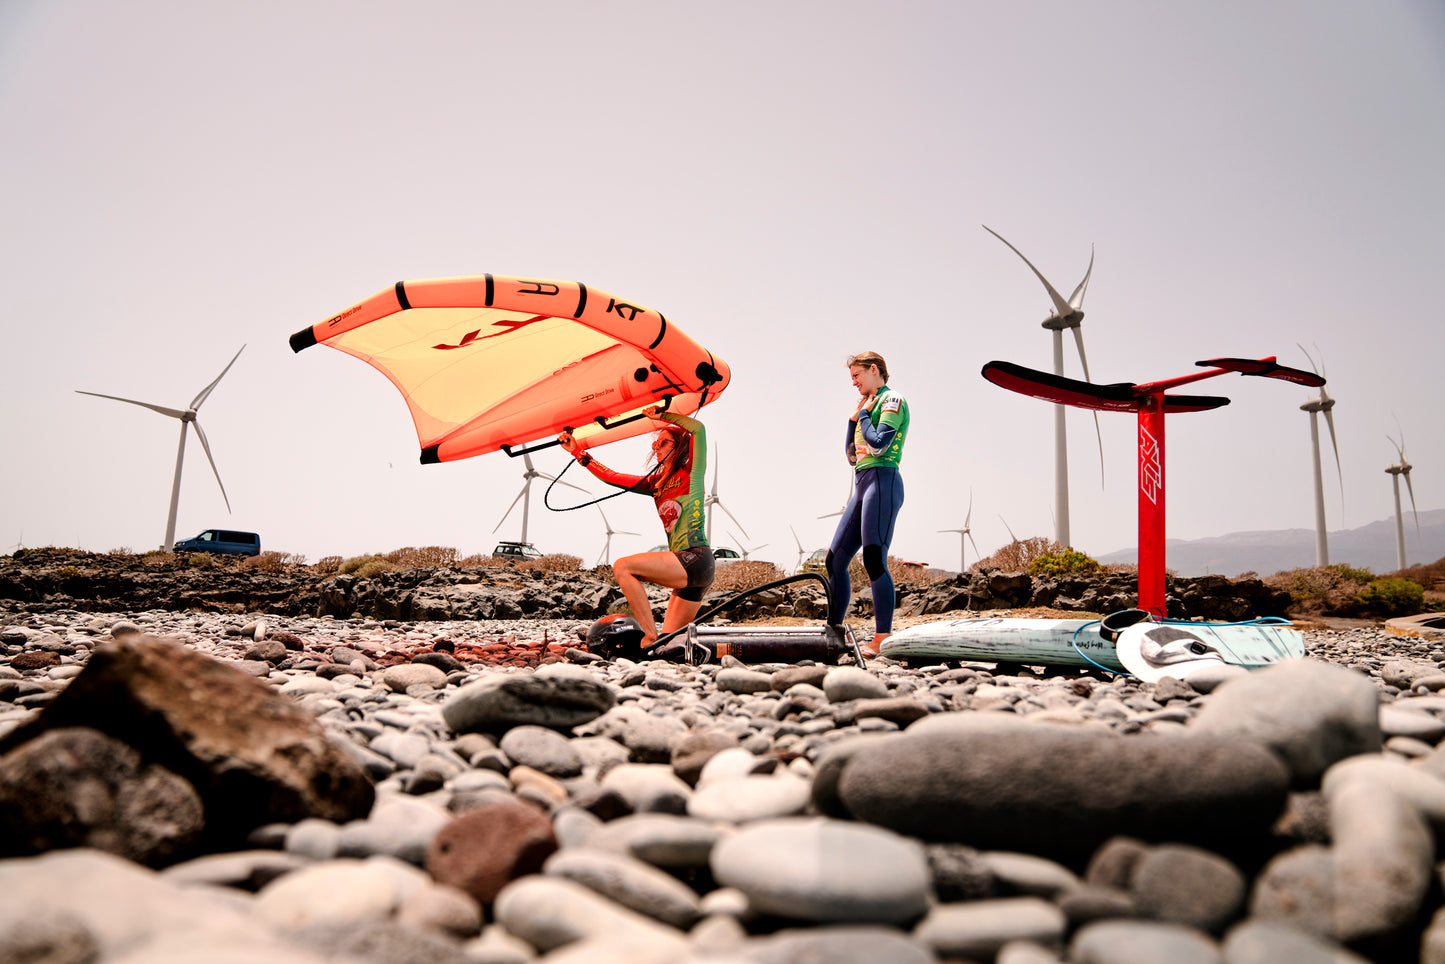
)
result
[(239, 787)]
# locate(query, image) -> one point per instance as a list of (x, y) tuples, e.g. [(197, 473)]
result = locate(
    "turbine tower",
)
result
[(712, 498), (965, 535), (187, 417), (1066, 315), (1322, 404), (1400, 468), (525, 497), (606, 557)]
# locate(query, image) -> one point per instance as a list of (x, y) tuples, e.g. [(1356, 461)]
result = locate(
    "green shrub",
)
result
[(364, 567), (1392, 597), (1066, 562), (1329, 590)]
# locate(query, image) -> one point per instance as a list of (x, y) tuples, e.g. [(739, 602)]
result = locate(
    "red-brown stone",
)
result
[(491, 845)]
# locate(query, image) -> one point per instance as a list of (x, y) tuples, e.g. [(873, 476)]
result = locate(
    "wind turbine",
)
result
[(965, 535), (743, 549), (711, 499), (1400, 468), (524, 496), (1315, 406), (606, 556), (187, 417), (801, 551), (1066, 315)]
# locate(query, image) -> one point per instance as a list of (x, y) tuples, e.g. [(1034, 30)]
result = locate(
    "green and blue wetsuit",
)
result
[(874, 447)]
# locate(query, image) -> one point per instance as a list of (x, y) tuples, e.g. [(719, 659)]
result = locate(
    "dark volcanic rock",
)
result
[(1062, 792), (46, 580), (77, 787), (500, 702), (253, 755)]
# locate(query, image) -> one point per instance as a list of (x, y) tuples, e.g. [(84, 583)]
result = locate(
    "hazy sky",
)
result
[(791, 182)]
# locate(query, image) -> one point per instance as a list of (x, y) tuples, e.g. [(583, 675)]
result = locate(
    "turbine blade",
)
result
[(553, 478), (205, 392), (511, 507), (1100, 436), (1315, 368), (975, 546), (795, 538), (1010, 531), (969, 514), (173, 413), (1412, 500), (1330, 421), (1079, 341), (206, 447), (1076, 300), (1060, 305), (733, 517)]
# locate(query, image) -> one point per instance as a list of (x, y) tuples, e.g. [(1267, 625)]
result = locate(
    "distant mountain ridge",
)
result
[(1370, 546)]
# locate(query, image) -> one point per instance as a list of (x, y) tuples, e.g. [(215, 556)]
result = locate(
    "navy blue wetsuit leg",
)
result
[(867, 522)]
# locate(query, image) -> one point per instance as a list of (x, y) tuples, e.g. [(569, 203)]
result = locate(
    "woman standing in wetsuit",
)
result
[(676, 486), (874, 446)]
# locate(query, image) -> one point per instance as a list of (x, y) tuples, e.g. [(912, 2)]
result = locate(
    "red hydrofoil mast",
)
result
[(1152, 401)]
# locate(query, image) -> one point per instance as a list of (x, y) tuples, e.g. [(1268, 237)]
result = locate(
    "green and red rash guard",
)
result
[(877, 437), (680, 496)]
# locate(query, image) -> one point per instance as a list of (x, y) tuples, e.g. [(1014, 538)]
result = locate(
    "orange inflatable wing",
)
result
[(492, 362)]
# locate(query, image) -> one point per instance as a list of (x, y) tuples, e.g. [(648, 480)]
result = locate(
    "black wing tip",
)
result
[(429, 455), (304, 338)]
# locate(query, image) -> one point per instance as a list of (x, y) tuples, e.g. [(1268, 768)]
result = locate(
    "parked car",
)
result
[(225, 542), (516, 551), (721, 555), (816, 561)]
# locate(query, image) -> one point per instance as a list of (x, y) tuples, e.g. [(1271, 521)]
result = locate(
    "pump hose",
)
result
[(740, 596)]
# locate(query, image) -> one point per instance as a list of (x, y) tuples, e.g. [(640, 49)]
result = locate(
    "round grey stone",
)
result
[(824, 870)]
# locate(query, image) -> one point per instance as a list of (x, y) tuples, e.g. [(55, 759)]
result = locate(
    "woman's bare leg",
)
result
[(658, 568), (679, 613)]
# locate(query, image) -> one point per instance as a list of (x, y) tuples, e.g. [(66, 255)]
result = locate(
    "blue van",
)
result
[(225, 542)]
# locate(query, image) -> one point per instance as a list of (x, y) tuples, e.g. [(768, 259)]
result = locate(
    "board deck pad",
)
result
[(1076, 642), (1152, 650), (1006, 640)]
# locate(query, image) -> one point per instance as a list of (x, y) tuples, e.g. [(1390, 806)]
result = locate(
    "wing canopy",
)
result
[(491, 361)]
